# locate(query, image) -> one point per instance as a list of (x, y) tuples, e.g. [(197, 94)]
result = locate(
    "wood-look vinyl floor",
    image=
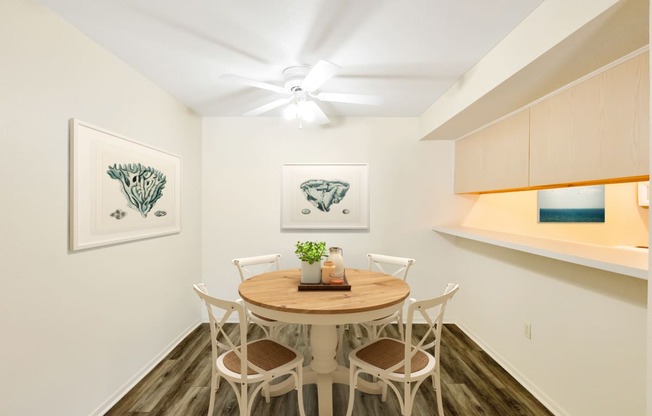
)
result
[(472, 384)]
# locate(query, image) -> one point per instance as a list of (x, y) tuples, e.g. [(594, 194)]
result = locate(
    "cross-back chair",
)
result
[(250, 266), (399, 268), (245, 363), (407, 363)]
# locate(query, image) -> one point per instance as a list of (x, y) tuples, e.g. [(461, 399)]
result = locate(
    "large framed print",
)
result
[(120, 190), (325, 196)]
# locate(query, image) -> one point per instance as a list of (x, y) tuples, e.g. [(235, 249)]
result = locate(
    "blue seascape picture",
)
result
[(576, 204)]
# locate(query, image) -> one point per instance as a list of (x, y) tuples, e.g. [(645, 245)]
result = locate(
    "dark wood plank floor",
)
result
[(472, 384)]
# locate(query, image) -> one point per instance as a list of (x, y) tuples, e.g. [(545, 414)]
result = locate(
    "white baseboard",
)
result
[(115, 397), (529, 386)]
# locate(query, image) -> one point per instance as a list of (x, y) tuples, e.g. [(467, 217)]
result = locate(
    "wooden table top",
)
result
[(278, 290)]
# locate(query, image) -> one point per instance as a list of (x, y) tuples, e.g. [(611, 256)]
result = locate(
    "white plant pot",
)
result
[(310, 273)]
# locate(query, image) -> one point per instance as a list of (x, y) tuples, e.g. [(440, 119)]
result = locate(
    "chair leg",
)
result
[(374, 333), (340, 339), (266, 330), (243, 400), (407, 400), (266, 391), (306, 335), (271, 332), (437, 384), (352, 386), (215, 384), (299, 387), (215, 379)]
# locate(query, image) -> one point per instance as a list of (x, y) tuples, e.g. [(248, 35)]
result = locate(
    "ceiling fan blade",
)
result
[(319, 117), (253, 83), (268, 107), (320, 73), (351, 98)]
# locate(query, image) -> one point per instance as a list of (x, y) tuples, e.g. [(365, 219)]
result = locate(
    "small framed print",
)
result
[(575, 204)]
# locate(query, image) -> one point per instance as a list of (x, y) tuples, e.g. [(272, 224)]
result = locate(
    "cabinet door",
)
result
[(597, 130), (494, 158)]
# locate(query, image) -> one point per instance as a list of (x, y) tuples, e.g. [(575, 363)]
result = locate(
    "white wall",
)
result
[(242, 159), (588, 346), (578, 315), (78, 327)]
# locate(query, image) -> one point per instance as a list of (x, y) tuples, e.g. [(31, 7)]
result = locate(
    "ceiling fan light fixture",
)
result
[(304, 113), (293, 76), (290, 112), (299, 110), (301, 90)]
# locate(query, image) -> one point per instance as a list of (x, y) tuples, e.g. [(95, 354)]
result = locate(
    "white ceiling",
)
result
[(408, 51)]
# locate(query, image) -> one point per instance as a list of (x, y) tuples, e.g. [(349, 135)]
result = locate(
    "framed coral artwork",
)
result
[(325, 196), (120, 190)]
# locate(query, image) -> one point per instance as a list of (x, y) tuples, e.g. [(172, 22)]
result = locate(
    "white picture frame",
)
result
[(325, 196), (120, 190), (577, 204)]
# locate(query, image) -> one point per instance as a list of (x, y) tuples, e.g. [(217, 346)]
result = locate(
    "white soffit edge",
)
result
[(558, 43)]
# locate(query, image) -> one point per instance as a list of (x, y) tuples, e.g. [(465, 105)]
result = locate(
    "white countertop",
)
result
[(626, 260)]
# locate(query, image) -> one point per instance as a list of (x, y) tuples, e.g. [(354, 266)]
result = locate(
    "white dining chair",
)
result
[(399, 268), (247, 363), (250, 266), (406, 364)]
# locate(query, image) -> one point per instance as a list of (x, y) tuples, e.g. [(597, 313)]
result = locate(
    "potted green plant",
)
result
[(310, 253)]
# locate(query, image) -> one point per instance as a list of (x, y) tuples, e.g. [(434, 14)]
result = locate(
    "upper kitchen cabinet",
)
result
[(594, 131), (495, 157)]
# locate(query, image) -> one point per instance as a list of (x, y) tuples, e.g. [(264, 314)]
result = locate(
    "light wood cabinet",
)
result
[(596, 130), (495, 157)]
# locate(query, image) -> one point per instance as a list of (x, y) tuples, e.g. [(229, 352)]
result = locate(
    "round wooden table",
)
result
[(372, 296)]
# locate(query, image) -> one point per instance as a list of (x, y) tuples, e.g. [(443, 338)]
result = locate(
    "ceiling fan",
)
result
[(300, 91)]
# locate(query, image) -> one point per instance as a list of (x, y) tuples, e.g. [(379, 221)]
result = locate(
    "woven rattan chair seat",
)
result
[(386, 352), (265, 354)]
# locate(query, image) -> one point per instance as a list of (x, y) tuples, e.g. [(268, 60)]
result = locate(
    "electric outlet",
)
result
[(527, 330)]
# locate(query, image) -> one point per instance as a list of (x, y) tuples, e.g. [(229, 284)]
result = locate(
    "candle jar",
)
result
[(326, 269), (335, 255), (337, 281)]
